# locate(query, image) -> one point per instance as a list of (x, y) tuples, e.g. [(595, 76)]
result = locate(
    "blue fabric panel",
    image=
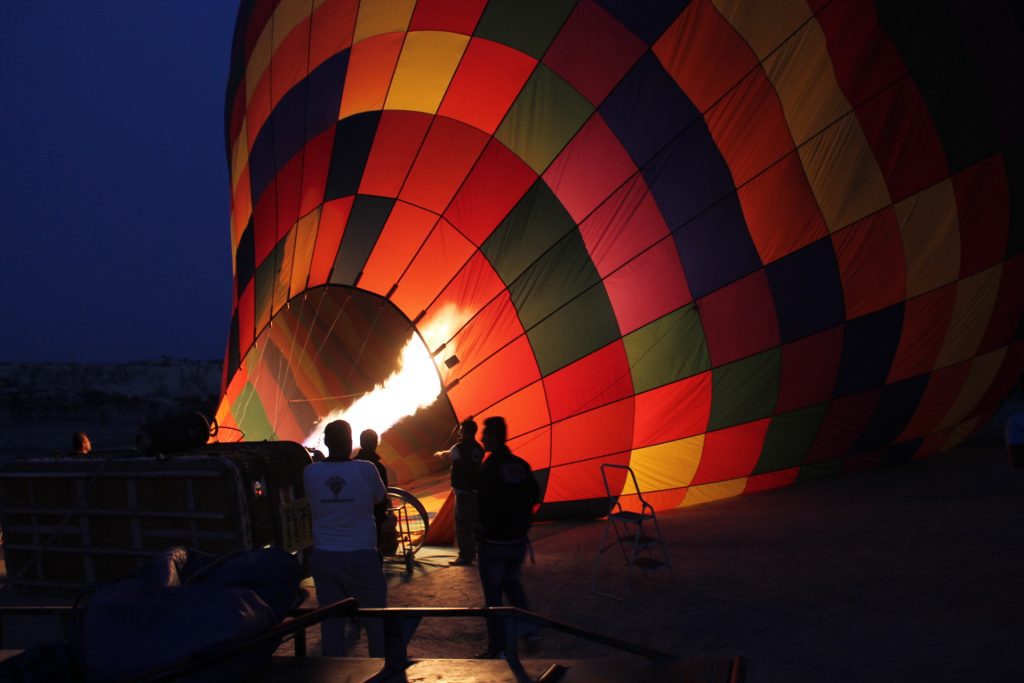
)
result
[(304, 112), (807, 290), (896, 406), (353, 140), (245, 259), (364, 225), (647, 19), (646, 110), (715, 247), (869, 345)]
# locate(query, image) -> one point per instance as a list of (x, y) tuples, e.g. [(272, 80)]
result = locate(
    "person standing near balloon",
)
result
[(368, 441), (344, 561), (507, 493), (466, 457)]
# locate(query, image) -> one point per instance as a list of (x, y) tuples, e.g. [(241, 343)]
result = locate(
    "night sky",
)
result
[(114, 203)]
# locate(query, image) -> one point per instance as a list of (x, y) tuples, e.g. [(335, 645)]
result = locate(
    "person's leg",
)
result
[(465, 520), (513, 586), (491, 565), (328, 590), (364, 578)]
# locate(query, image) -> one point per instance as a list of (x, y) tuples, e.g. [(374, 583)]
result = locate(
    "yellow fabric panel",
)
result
[(960, 432), (665, 466), (287, 16), (371, 67), (975, 299), (931, 237), (706, 493), (425, 68), (764, 24), (305, 240), (239, 156), (801, 71), (382, 16), (259, 60), (284, 274), (983, 372), (843, 174)]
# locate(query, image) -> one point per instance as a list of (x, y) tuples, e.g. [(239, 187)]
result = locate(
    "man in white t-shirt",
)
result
[(345, 562)]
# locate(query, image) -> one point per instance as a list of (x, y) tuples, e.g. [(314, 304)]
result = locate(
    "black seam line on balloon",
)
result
[(724, 197)]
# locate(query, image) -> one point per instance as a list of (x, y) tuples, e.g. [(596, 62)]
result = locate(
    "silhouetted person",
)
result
[(466, 457), (344, 561), (80, 444), (507, 493), (368, 442)]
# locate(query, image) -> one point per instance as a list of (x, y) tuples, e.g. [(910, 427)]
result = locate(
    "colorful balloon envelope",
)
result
[(730, 244)]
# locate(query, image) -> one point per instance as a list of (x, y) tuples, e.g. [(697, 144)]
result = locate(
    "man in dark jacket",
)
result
[(507, 493), (466, 457)]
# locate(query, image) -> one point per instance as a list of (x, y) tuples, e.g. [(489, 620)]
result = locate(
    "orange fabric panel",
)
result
[(328, 238), (398, 139), (533, 447), (370, 67), (486, 67), (780, 210), (477, 335), (603, 431), (400, 238), (316, 163), (290, 64), (975, 299), (731, 453), (581, 480), (526, 413), (701, 36), (925, 320), (241, 208), (333, 24), (305, 240), (594, 380), (979, 381), (766, 26), (590, 168), (448, 153), (771, 480), (673, 411), (504, 373), (943, 387), (871, 264), (283, 276), (442, 256), (495, 185), (1009, 307), (247, 317), (258, 110), (931, 237)]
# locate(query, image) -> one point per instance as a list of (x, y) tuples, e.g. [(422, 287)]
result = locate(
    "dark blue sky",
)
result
[(114, 198)]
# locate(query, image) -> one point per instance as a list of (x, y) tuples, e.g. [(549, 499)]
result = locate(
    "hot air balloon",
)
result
[(730, 244)]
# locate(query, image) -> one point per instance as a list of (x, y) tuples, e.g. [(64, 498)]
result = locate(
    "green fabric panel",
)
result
[(789, 438), (583, 326), (820, 469), (545, 116), (560, 274), (263, 292), (536, 223), (668, 349), (744, 391), (250, 416), (527, 25)]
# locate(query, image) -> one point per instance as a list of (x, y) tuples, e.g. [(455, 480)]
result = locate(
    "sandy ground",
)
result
[(904, 573)]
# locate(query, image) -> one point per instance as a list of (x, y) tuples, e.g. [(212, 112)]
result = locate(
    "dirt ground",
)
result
[(904, 573)]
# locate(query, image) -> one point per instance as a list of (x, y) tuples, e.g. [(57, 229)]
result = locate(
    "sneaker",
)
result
[(460, 562)]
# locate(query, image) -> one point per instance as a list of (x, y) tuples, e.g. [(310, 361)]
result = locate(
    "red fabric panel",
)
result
[(809, 369), (606, 430), (983, 210), (739, 320), (525, 411), (486, 67), (661, 500), (262, 10), (241, 205), (456, 16), (780, 210), (731, 453), (623, 226), (328, 239), (333, 25), (246, 318), (593, 51), (316, 164), (534, 447), (504, 373), (448, 153), (497, 182), (582, 480), (674, 411), (289, 192), (398, 139), (648, 287), (944, 387), (594, 380), (259, 108), (496, 325), (871, 263), (1009, 306), (699, 38), (237, 114), (264, 217), (845, 420), (925, 321), (443, 254), (403, 233), (771, 480), (288, 64), (591, 167)]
